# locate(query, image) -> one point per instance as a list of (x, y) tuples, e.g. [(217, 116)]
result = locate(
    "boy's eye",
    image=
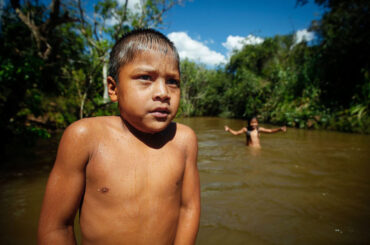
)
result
[(144, 77), (173, 82)]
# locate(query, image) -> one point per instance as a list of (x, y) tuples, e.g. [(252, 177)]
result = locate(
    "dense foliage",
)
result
[(321, 85), (54, 60), (53, 63)]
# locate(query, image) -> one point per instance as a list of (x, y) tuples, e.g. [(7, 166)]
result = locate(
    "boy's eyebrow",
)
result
[(152, 69)]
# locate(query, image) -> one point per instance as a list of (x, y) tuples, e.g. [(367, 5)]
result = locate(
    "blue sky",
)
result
[(216, 19), (207, 31), (211, 22)]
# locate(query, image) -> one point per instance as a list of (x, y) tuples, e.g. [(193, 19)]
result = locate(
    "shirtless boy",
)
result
[(133, 177), (252, 132)]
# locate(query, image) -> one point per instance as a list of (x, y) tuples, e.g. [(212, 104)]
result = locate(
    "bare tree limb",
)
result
[(42, 32), (122, 19)]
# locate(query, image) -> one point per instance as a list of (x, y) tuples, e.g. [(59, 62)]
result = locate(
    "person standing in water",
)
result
[(133, 177), (252, 132)]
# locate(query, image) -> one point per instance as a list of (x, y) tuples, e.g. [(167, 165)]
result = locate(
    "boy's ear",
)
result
[(112, 89)]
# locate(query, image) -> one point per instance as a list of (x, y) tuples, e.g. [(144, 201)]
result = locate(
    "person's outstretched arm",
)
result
[(188, 223), (64, 188), (274, 130), (243, 130)]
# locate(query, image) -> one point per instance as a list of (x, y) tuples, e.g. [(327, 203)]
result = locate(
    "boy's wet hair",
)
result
[(133, 42)]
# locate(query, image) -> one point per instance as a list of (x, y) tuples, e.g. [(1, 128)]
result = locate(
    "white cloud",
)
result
[(195, 50), (111, 21), (303, 35), (237, 42), (133, 5)]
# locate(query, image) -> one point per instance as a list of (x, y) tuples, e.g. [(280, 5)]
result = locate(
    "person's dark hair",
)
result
[(133, 42), (249, 122)]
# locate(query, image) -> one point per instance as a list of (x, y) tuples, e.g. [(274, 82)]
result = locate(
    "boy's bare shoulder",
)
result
[(92, 127), (82, 136), (92, 123), (185, 134), (184, 130)]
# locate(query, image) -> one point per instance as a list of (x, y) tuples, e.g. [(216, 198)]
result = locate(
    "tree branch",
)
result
[(41, 33)]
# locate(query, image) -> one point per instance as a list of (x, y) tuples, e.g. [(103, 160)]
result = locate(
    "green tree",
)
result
[(344, 51), (54, 59)]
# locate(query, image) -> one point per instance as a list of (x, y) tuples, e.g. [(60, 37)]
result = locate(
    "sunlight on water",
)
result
[(302, 187)]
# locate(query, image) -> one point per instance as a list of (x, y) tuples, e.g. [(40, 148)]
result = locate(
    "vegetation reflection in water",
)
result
[(302, 187)]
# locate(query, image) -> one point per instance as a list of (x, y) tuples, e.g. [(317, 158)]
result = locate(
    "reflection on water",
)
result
[(302, 187), (23, 177)]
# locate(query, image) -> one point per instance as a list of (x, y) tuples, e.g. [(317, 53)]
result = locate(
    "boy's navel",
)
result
[(103, 189), (178, 182)]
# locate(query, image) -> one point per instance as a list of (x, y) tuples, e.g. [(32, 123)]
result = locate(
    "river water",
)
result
[(301, 187)]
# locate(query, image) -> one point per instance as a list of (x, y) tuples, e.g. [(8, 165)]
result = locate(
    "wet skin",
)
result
[(134, 177)]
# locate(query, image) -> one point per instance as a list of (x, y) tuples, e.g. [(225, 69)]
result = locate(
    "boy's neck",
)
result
[(153, 140)]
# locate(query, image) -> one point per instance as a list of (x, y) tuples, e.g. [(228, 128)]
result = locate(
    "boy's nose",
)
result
[(161, 91)]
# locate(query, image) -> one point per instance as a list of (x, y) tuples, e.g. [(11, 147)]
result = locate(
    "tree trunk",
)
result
[(105, 95), (82, 105)]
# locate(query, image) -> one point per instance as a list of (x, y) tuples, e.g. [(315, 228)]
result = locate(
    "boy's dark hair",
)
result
[(135, 41)]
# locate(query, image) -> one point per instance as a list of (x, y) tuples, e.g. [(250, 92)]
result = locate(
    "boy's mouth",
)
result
[(160, 112)]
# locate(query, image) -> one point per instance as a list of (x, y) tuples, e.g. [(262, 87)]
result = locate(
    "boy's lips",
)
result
[(160, 112)]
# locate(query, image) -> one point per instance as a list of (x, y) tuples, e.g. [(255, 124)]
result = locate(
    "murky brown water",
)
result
[(302, 187)]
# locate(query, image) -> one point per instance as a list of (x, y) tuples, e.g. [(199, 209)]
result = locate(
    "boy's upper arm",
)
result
[(191, 184), (67, 179), (190, 195)]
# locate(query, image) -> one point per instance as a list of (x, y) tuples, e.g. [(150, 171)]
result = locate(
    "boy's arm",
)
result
[(64, 188), (274, 130), (243, 130), (188, 224)]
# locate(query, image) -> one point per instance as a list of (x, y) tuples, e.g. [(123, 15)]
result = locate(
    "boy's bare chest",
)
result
[(130, 172)]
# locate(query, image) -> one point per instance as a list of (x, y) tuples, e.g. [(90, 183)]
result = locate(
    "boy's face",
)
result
[(148, 91)]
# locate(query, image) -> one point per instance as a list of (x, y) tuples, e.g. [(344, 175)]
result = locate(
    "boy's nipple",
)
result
[(103, 190)]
